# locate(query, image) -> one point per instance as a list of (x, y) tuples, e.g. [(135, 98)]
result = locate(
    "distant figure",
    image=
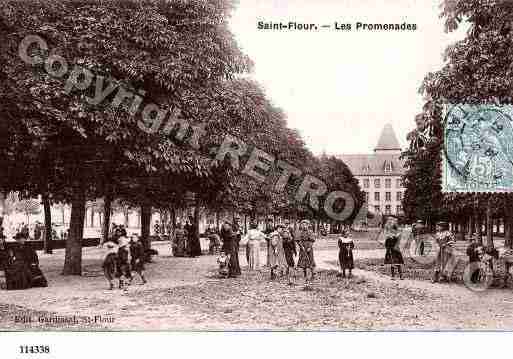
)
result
[(124, 273), (230, 249), (137, 257), (289, 248), (253, 239), (157, 229), (277, 261), (418, 231), (473, 257), (22, 270), (345, 253), (37, 231), (179, 241), (193, 243), (393, 255), (223, 262), (445, 257), (305, 240), (110, 262)]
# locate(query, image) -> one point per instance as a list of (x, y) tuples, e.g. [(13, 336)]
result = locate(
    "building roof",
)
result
[(383, 162), (387, 140), (374, 164)]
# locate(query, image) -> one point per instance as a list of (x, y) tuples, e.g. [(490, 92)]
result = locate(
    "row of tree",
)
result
[(478, 69), (178, 54)]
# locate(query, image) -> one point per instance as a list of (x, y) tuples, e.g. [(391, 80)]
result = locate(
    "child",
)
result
[(277, 259), (223, 261), (110, 263), (137, 254), (345, 253), (123, 263)]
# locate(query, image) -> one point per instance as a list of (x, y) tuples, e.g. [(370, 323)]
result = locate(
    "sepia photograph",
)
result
[(255, 165)]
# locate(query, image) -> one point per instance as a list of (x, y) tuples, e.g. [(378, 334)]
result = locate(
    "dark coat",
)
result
[(137, 254), (231, 241), (473, 255), (305, 240), (22, 268), (289, 247), (393, 254), (345, 254)]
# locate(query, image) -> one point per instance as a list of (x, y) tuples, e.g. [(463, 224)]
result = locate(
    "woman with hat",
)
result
[(22, 270), (445, 258), (305, 239), (393, 255)]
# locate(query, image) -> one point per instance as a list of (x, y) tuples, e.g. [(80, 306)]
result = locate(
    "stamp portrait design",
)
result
[(478, 149)]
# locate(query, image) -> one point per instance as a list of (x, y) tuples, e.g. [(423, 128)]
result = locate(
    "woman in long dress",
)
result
[(22, 269), (345, 253), (393, 255), (305, 240), (277, 261), (253, 239), (179, 239)]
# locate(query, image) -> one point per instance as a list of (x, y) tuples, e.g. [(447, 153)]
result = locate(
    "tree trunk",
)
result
[(92, 217), (507, 231), (197, 247), (47, 240), (73, 255), (489, 225), (126, 212), (107, 209), (145, 228)]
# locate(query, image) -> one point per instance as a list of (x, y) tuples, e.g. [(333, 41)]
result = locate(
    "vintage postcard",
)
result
[(255, 165)]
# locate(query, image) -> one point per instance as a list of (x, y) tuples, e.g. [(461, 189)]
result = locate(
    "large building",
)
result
[(380, 174)]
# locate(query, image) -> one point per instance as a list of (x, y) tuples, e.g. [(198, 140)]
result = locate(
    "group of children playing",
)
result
[(281, 250), (123, 256)]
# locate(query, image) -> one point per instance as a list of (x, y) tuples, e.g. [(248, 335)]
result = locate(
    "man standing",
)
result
[(445, 262)]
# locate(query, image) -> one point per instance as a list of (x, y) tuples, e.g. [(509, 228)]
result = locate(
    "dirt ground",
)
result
[(186, 294)]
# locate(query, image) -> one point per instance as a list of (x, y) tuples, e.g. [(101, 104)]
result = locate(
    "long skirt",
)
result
[(289, 256), (306, 259), (393, 256), (18, 276), (277, 257), (233, 265), (345, 259), (253, 256)]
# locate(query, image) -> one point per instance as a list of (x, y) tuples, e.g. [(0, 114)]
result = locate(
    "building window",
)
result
[(388, 183), (376, 196), (366, 183), (377, 183), (377, 209), (399, 196), (388, 196), (399, 183), (366, 196), (388, 209), (399, 209), (388, 167)]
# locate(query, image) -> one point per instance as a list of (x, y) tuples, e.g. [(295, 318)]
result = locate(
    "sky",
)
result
[(340, 88)]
